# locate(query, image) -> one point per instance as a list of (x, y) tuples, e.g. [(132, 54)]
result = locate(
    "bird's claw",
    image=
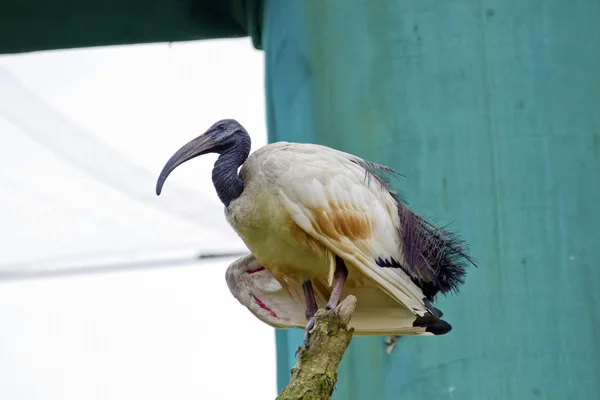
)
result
[(309, 326), (332, 309)]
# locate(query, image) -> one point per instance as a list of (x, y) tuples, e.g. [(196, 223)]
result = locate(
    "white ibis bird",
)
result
[(315, 216)]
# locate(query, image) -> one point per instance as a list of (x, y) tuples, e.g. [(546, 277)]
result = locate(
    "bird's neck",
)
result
[(225, 177)]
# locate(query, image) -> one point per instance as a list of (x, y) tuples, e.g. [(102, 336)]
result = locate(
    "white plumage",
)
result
[(325, 223), (303, 204)]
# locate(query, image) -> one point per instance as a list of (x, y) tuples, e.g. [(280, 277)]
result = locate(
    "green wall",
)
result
[(492, 111), (32, 25)]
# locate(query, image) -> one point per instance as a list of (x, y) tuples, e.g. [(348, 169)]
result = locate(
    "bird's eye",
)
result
[(221, 127)]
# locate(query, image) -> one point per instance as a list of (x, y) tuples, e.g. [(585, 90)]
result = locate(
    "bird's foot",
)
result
[(309, 326), (340, 275), (390, 343), (332, 309)]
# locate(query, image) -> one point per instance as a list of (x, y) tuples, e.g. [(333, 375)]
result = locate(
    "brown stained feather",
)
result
[(337, 222), (345, 224)]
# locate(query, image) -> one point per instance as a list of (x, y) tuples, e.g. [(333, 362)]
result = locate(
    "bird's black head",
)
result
[(222, 136)]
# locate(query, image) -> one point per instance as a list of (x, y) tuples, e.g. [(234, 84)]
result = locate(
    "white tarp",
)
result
[(84, 136), (72, 192)]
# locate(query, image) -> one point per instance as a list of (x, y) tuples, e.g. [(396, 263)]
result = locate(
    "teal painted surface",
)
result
[(492, 111)]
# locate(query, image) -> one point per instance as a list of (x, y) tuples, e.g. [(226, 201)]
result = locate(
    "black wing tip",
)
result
[(432, 324), (441, 327), (435, 311), (425, 320)]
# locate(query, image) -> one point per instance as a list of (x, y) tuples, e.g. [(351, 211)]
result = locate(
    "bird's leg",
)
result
[(311, 302), (311, 309), (340, 275)]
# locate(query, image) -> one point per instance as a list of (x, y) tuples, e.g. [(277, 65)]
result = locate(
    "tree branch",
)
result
[(315, 373)]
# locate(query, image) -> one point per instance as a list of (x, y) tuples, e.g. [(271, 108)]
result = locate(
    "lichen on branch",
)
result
[(315, 374)]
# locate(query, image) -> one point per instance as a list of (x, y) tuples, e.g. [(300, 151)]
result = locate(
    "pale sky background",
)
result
[(84, 136)]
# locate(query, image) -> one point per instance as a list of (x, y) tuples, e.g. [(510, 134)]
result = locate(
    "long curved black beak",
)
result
[(201, 145)]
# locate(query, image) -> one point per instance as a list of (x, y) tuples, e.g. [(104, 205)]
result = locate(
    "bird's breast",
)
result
[(274, 239)]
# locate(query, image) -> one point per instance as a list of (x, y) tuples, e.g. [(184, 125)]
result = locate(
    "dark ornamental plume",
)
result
[(435, 258)]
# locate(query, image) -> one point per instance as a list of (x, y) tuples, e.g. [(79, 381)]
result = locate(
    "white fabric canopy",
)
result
[(71, 199), (84, 135)]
